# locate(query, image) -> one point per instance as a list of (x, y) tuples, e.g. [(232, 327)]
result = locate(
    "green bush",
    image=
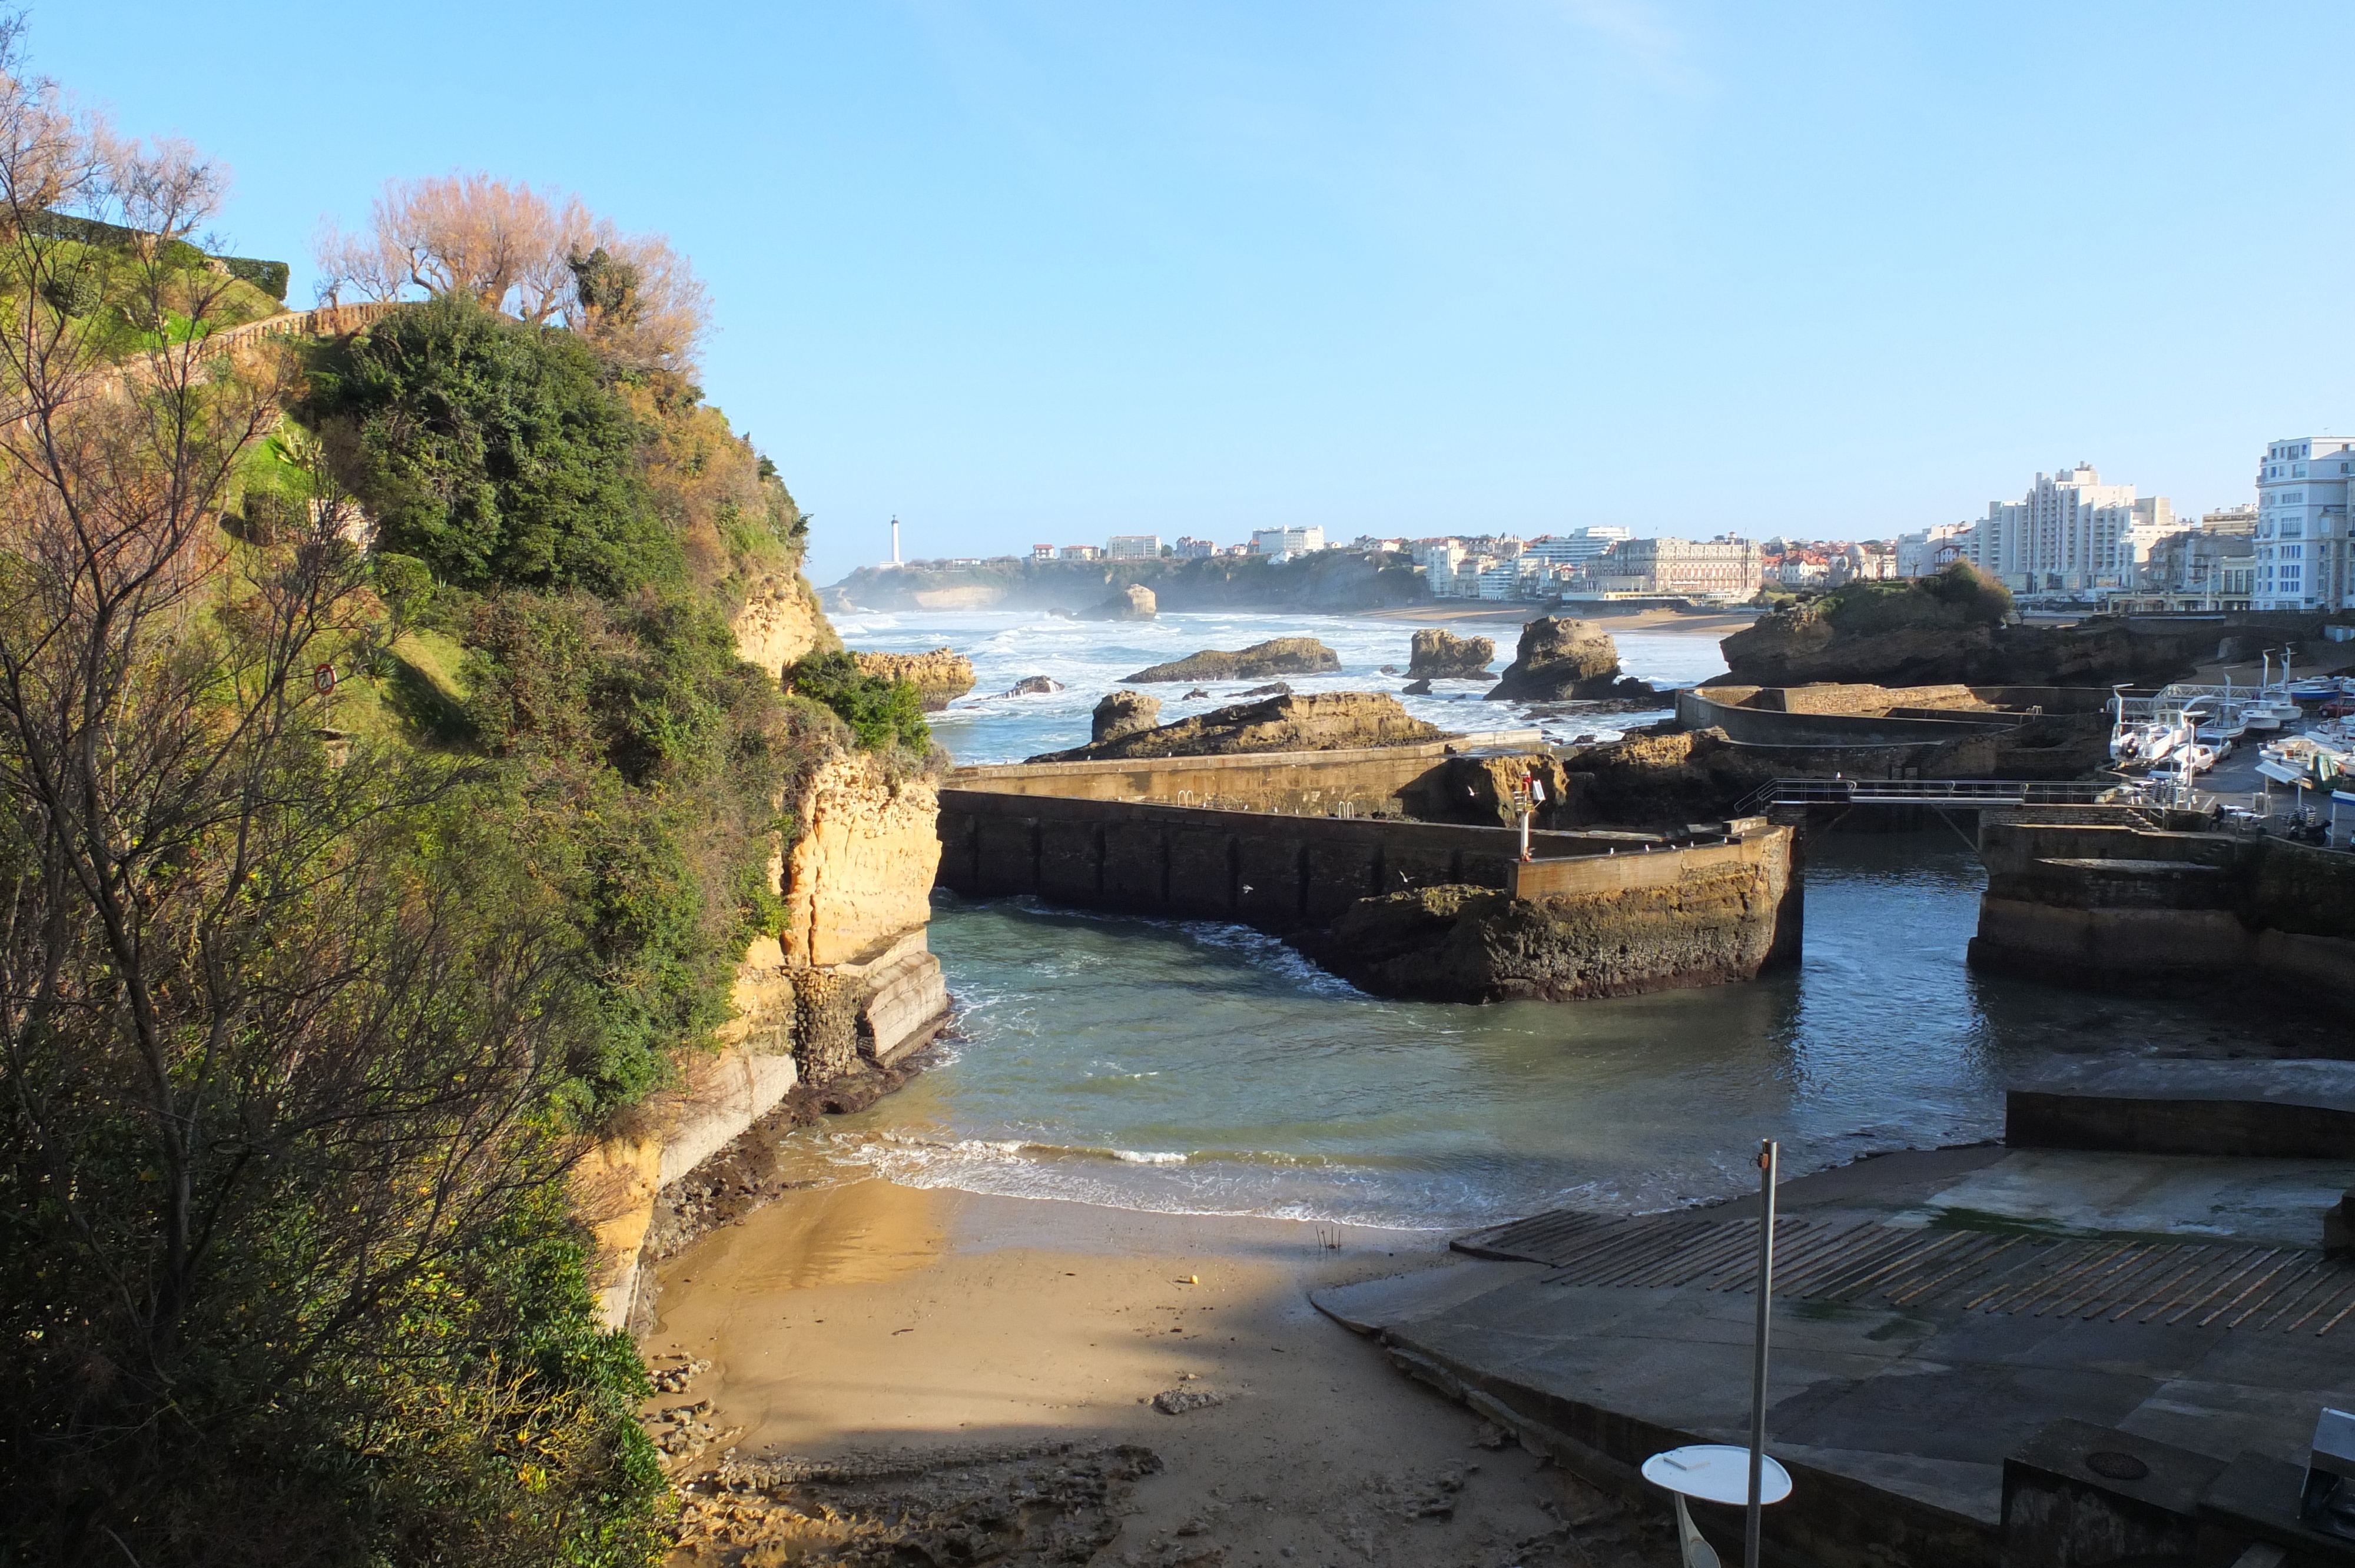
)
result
[(270, 277), (881, 713), (490, 450), (269, 517), (76, 289), (1958, 597)]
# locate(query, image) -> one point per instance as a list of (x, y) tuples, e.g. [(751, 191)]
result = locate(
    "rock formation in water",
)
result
[(1133, 602), (1034, 685), (1416, 688), (1948, 628), (1276, 656), (943, 675), (1713, 924), (1273, 689), (1559, 660), (1443, 656), (1326, 721), (1124, 713)]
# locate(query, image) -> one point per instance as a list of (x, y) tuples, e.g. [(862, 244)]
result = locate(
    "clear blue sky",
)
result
[(1048, 271)]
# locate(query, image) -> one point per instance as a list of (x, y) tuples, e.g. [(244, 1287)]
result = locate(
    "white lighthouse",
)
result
[(895, 541)]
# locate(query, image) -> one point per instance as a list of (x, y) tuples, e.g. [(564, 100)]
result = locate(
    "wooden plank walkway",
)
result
[(2199, 1284)]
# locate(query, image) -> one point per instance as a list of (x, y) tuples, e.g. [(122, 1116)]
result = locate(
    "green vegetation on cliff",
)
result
[(383, 807)]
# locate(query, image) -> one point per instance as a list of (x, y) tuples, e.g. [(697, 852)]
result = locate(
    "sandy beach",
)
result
[(942, 1352)]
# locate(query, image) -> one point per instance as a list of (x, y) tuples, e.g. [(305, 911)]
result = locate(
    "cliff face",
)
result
[(943, 675), (1326, 721), (860, 873), (781, 621), (1798, 646)]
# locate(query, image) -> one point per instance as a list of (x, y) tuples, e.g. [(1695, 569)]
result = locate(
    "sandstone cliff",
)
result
[(1557, 660), (1276, 656), (943, 675), (1133, 602), (1439, 655), (861, 871), (780, 622), (1327, 721)]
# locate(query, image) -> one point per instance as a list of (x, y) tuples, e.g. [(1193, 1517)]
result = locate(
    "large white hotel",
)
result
[(2302, 539)]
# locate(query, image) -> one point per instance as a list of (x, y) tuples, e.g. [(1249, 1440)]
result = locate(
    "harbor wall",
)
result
[(1388, 781), (1267, 869), (2073, 901)]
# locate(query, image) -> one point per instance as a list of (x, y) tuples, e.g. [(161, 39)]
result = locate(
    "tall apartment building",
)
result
[(1133, 547), (1723, 567), (2302, 538), (1278, 541), (2068, 532)]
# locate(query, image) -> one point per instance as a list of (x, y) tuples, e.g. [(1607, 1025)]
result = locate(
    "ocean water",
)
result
[(1200, 1067), (1089, 658)]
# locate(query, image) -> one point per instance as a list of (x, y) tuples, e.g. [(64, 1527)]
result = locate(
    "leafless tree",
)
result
[(526, 251), (270, 1064)]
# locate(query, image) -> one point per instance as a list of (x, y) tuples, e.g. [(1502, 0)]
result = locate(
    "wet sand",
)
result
[(870, 1318)]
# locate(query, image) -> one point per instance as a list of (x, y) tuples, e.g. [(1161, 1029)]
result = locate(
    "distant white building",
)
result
[(1133, 547), (1724, 567), (2069, 532), (1082, 552), (2302, 538), (1287, 541), (1438, 557), (1189, 548), (1576, 547), (1930, 550), (1044, 553)]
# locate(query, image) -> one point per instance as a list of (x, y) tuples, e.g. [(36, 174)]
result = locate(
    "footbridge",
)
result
[(1943, 792)]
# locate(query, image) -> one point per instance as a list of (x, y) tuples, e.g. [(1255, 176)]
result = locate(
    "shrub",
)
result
[(881, 713), (270, 277), (490, 450)]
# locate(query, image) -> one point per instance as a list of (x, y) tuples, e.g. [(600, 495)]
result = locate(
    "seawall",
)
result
[(1291, 843), (2075, 901)]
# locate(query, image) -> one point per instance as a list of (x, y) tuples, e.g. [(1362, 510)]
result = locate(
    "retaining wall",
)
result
[(2070, 901), (1260, 868), (1389, 780)]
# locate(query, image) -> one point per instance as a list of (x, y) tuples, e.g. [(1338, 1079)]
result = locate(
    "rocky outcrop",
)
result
[(1133, 602), (1034, 686), (1802, 644), (859, 874), (1443, 656), (1276, 656), (1557, 660), (1722, 918), (780, 622), (1327, 721), (1124, 713), (943, 675)]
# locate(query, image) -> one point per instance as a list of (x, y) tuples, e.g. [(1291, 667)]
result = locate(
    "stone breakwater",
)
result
[(1435, 910), (2078, 901)]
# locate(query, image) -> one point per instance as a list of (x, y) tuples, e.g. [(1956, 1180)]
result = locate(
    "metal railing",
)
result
[(1941, 792)]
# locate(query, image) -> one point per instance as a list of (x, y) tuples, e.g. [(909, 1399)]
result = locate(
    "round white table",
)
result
[(1713, 1472)]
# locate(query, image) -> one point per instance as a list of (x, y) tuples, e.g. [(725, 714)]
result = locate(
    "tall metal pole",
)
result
[(1770, 1159)]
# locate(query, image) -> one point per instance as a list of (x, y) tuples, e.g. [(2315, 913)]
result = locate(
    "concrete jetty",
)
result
[(1945, 1384), (1297, 843)]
